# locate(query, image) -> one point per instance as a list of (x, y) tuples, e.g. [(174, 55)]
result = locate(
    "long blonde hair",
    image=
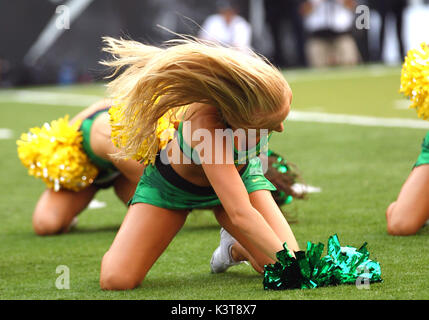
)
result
[(153, 81)]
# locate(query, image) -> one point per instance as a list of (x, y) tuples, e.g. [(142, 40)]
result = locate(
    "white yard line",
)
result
[(402, 104), (83, 100), (5, 133), (312, 75), (357, 120), (48, 98)]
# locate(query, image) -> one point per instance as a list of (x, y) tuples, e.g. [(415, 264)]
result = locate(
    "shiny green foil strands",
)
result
[(341, 265)]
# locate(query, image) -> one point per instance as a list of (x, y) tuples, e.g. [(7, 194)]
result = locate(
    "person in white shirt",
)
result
[(227, 27), (329, 24)]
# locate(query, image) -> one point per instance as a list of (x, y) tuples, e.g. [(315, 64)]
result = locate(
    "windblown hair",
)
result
[(152, 81)]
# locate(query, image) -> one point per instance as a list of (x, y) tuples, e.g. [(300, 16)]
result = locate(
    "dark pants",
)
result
[(279, 12), (397, 8)]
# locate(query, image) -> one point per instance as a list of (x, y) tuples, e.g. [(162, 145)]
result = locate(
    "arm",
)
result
[(410, 211), (221, 173), (230, 189), (228, 185)]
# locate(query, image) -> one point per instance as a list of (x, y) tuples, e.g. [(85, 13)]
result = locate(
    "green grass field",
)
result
[(360, 170)]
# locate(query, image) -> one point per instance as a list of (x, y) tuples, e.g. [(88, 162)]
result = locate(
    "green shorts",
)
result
[(161, 186), (107, 171), (424, 154)]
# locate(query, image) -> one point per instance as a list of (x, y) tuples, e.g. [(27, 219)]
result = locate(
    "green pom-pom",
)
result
[(309, 269)]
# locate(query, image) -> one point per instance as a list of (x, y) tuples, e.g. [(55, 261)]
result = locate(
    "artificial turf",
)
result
[(359, 169)]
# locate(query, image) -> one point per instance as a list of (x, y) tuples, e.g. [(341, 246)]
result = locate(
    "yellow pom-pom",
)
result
[(164, 132), (54, 154), (415, 79)]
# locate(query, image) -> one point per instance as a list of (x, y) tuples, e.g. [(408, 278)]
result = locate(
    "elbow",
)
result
[(239, 217)]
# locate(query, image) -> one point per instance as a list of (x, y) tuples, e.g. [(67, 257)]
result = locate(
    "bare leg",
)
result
[(55, 210), (262, 201), (410, 211), (144, 235), (124, 188)]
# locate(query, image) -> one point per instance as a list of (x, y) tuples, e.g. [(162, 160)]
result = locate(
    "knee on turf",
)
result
[(400, 224), (113, 278), (47, 224)]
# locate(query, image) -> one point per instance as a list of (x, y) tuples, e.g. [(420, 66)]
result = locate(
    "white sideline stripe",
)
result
[(48, 98), (312, 75), (303, 188), (83, 100), (357, 120), (5, 133), (402, 104)]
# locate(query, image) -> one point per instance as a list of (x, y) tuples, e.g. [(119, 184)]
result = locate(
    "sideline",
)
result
[(83, 100), (5, 133), (305, 116)]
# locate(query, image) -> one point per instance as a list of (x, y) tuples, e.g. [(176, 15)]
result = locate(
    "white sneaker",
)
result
[(221, 258), (72, 224)]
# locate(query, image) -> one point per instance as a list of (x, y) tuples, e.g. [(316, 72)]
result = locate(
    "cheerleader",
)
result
[(283, 176), (74, 159), (56, 211), (216, 94), (410, 211)]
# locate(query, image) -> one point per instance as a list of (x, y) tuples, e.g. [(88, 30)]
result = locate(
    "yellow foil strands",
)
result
[(164, 132), (54, 154), (415, 79)]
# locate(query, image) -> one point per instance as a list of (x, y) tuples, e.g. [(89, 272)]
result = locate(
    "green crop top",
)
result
[(240, 157)]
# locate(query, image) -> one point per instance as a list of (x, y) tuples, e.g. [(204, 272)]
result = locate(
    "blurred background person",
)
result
[(329, 25), (396, 9), (4, 70), (278, 15), (361, 33), (47, 54), (227, 27)]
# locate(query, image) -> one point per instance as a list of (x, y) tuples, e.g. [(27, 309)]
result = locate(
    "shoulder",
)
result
[(201, 124), (203, 116), (100, 141), (101, 125)]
